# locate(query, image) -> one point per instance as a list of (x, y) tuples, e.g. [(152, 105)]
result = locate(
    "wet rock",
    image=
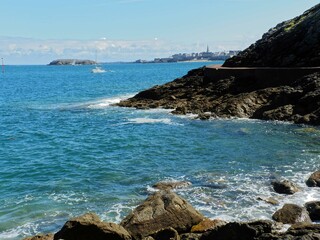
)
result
[(206, 225), (171, 185), (314, 180), (285, 187), (314, 210), (269, 200), (291, 213), (89, 226), (161, 210), (41, 237), (239, 231)]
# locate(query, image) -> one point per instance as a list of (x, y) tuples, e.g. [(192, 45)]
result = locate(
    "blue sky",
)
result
[(38, 31)]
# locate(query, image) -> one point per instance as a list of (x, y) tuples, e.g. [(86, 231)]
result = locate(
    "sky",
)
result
[(39, 31)]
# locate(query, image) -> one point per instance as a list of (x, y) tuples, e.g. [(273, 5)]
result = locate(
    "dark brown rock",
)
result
[(314, 210), (285, 187), (190, 236), (239, 231), (161, 210), (166, 234), (41, 237), (314, 180), (291, 213), (89, 226)]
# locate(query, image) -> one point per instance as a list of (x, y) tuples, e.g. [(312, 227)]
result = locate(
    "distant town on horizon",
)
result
[(202, 56)]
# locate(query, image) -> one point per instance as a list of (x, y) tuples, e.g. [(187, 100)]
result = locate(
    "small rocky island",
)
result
[(72, 62), (276, 78)]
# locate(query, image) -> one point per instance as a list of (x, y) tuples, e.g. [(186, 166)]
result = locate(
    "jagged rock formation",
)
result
[(297, 101), (72, 62), (294, 43)]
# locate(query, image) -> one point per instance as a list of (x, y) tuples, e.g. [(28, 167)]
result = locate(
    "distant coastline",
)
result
[(194, 57)]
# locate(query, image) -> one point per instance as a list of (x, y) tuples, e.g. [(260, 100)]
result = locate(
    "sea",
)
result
[(66, 149)]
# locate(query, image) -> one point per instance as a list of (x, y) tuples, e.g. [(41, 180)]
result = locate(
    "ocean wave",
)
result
[(146, 120)]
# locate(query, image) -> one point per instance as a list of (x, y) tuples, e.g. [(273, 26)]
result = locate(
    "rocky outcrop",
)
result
[(89, 226), (284, 94), (285, 187), (161, 210), (297, 101), (48, 236), (294, 43), (72, 62), (291, 213), (314, 180)]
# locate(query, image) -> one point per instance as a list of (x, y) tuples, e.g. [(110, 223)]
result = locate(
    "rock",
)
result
[(190, 236), (285, 187), (293, 43), (206, 225), (314, 180), (41, 237), (89, 226), (167, 234), (239, 231), (161, 210), (290, 214), (302, 229), (171, 185), (314, 210), (269, 200)]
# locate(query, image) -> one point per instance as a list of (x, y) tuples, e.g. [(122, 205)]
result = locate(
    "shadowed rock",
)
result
[(161, 210), (314, 180), (89, 226), (314, 210), (285, 187)]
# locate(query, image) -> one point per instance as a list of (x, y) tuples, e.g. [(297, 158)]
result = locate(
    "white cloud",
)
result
[(37, 51)]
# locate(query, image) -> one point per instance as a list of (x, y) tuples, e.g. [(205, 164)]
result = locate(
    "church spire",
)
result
[(208, 48)]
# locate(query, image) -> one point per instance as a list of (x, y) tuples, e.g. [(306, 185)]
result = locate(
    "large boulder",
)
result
[(294, 43), (292, 213), (314, 210), (285, 187), (89, 226), (314, 180), (161, 210)]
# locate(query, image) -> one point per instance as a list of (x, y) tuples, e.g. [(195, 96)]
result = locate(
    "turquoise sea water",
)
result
[(65, 151)]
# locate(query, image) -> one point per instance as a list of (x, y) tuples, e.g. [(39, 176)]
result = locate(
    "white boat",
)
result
[(98, 70)]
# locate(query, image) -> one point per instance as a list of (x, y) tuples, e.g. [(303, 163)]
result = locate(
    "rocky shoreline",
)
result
[(166, 216), (297, 101), (292, 44)]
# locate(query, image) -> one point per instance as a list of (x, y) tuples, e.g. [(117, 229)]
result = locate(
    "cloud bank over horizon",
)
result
[(18, 50)]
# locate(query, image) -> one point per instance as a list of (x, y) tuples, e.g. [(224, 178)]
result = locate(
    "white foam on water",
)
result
[(27, 229), (146, 120)]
